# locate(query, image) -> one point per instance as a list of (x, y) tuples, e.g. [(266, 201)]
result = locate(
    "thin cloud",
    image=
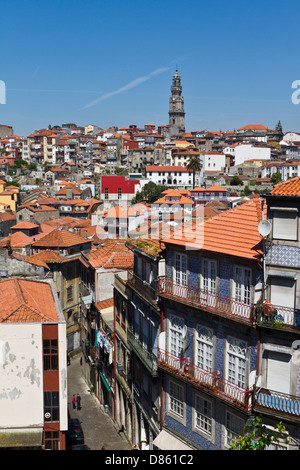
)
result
[(129, 86)]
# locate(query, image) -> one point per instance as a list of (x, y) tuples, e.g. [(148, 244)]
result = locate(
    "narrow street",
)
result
[(100, 432)]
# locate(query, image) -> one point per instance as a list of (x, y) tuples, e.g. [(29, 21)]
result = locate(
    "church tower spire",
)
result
[(176, 107)]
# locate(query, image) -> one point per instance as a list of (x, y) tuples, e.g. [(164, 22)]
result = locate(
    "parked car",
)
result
[(80, 447), (74, 434)]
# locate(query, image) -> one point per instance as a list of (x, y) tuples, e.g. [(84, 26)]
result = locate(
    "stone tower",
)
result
[(176, 108)]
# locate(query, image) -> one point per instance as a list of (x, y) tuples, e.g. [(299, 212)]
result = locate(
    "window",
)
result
[(51, 406), (234, 427), (50, 354), (119, 193), (106, 193), (181, 269), (203, 415), (176, 399), (285, 225), (242, 284), (236, 361), (209, 272), (204, 348), (51, 440), (69, 293), (176, 335)]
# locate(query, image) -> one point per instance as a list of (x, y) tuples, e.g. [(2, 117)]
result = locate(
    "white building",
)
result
[(173, 176), (286, 169), (245, 152), (33, 379)]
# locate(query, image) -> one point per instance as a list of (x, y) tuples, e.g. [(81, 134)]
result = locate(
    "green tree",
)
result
[(150, 193), (195, 165), (257, 436), (236, 181), (276, 178)]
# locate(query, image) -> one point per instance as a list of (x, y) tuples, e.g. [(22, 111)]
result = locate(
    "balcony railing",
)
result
[(200, 298), (270, 400), (278, 316), (144, 288), (148, 358), (210, 381)]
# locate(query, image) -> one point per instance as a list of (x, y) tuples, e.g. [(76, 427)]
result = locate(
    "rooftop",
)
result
[(26, 301), (234, 232), (290, 187)]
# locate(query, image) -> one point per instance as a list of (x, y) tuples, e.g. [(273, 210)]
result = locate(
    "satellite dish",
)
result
[(264, 228)]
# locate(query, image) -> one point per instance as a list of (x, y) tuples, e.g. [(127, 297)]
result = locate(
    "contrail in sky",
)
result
[(129, 86)]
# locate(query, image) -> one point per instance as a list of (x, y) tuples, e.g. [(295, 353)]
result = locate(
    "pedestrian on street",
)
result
[(74, 401), (68, 359), (78, 400)]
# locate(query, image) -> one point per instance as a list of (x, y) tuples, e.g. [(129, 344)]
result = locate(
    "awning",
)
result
[(105, 383), (285, 274), (166, 441), (21, 437)]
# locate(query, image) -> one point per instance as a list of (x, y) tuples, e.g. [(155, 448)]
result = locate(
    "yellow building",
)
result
[(9, 196)]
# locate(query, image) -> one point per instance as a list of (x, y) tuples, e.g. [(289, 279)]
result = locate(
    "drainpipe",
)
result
[(163, 374), (114, 363)]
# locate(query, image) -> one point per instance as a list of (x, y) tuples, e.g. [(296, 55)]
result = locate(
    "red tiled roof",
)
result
[(112, 254), (24, 225), (105, 304), (290, 187), (167, 168), (59, 239), (233, 232), (24, 300)]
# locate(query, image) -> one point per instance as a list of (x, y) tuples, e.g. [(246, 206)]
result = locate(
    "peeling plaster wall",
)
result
[(21, 375)]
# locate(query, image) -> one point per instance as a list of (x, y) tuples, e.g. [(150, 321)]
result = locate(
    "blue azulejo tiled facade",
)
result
[(192, 411)]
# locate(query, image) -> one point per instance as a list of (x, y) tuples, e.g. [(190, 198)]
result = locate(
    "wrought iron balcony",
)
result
[(200, 298), (143, 288), (147, 358), (209, 381), (278, 316), (276, 402)]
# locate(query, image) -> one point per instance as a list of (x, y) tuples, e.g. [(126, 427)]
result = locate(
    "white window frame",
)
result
[(236, 361), (234, 427), (204, 348), (209, 275), (176, 335), (284, 233), (176, 399), (180, 269), (242, 284), (203, 422)]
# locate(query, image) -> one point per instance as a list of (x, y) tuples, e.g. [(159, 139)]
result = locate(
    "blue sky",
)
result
[(111, 62)]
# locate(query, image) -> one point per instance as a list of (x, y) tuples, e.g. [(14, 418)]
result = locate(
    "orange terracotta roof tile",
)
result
[(233, 232), (59, 239), (112, 253), (290, 187), (105, 304), (24, 225), (24, 300)]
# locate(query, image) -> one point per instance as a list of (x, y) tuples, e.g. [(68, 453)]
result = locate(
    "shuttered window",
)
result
[(285, 225)]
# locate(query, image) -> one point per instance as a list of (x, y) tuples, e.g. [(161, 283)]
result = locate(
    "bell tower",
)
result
[(176, 107)]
